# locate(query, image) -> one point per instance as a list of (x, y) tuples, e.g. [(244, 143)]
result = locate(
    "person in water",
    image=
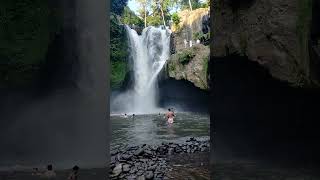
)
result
[(49, 173), (125, 116), (74, 174), (170, 115)]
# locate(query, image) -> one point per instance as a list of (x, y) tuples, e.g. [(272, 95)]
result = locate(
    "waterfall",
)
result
[(149, 53)]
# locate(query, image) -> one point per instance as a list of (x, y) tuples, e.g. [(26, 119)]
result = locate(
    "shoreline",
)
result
[(156, 161)]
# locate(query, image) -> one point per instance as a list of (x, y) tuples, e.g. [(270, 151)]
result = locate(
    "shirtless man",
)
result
[(170, 116)]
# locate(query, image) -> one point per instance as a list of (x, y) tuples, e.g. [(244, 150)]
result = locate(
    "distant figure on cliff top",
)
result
[(185, 43), (190, 43), (170, 115)]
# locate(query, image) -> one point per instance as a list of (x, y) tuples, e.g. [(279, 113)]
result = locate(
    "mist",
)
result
[(63, 118)]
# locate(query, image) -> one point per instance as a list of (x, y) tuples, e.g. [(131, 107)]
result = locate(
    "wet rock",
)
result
[(126, 168), (141, 177), (117, 170), (170, 151), (127, 156), (146, 161), (139, 152), (132, 177), (140, 172), (152, 168), (149, 175)]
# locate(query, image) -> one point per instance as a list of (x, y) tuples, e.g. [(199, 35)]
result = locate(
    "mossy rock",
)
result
[(184, 57)]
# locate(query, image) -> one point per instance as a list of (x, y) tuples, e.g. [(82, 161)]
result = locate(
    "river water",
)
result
[(152, 129)]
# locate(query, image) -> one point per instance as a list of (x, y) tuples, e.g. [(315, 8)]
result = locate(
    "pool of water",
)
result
[(153, 129)]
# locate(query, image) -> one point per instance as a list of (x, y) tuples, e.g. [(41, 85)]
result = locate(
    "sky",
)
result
[(133, 5)]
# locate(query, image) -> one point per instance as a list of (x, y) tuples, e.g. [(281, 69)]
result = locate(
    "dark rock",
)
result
[(141, 177), (170, 151), (139, 152), (117, 170), (149, 175), (132, 177), (126, 156), (152, 168), (126, 168), (114, 152), (140, 172)]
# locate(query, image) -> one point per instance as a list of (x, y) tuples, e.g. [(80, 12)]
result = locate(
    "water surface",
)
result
[(152, 129)]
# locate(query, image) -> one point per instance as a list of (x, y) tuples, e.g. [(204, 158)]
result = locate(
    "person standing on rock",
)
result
[(170, 115), (185, 43)]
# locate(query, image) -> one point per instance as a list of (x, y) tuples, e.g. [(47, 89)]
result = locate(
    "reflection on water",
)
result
[(153, 129)]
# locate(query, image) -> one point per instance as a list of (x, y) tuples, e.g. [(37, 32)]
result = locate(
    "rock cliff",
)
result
[(190, 63), (274, 33)]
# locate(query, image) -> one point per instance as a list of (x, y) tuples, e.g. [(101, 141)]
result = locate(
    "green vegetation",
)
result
[(171, 67), (202, 37), (194, 3), (128, 17), (117, 6), (26, 29), (184, 57), (175, 19), (118, 73), (205, 65), (118, 51)]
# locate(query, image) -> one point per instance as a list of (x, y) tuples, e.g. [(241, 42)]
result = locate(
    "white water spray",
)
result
[(149, 53)]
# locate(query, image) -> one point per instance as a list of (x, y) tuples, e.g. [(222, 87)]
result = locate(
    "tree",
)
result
[(160, 5), (117, 6), (144, 4), (190, 4), (129, 17)]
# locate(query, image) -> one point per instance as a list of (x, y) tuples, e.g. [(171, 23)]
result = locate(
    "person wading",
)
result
[(74, 173), (170, 115)]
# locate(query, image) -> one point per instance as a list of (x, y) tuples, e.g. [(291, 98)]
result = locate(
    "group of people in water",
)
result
[(50, 174), (169, 116)]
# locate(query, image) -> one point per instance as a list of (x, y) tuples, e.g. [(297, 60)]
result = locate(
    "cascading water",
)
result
[(149, 53)]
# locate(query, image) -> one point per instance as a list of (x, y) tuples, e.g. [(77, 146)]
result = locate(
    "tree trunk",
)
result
[(145, 14), (190, 5), (164, 22)]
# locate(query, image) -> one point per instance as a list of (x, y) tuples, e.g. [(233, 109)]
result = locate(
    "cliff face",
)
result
[(190, 63), (274, 33), (263, 51)]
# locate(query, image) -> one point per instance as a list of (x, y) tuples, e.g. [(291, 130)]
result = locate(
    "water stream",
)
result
[(149, 53)]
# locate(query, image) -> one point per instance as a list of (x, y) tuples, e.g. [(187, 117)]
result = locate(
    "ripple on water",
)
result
[(152, 129)]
